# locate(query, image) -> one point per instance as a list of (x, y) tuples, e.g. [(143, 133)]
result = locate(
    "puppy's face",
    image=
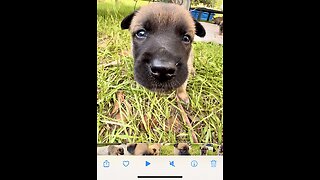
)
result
[(162, 34), (120, 151), (114, 150), (154, 149), (138, 149), (217, 20), (181, 149), (203, 150)]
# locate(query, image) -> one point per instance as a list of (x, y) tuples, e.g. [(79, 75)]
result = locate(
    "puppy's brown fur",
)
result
[(144, 149), (203, 150), (138, 149), (217, 20), (181, 149), (165, 27), (114, 150), (155, 149), (155, 14)]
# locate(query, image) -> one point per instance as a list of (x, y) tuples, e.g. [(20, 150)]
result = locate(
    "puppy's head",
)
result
[(217, 20), (154, 149), (162, 34), (138, 149), (120, 151), (203, 150), (181, 149), (114, 150), (131, 148)]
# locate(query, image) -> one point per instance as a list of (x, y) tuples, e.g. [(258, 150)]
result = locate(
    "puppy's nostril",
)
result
[(162, 72), (170, 72), (155, 71)]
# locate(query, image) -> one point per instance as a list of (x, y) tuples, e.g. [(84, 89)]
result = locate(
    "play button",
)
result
[(147, 163)]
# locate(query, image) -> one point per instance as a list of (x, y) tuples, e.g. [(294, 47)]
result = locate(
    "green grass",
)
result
[(127, 112)]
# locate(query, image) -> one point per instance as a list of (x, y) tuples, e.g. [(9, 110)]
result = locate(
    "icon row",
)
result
[(193, 163), (160, 149)]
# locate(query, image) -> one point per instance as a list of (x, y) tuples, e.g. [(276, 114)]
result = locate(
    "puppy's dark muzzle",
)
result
[(162, 70)]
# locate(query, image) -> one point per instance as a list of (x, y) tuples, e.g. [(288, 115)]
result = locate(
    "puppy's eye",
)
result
[(186, 38), (141, 34)]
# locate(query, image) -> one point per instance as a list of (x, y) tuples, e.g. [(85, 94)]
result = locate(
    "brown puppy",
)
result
[(144, 149), (110, 150), (221, 28), (181, 149), (114, 150), (217, 20), (221, 149), (204, 150), (154, 149), (162, 36), (138, 149)]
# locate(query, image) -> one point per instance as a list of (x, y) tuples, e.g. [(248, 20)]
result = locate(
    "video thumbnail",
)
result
[(161, 149)]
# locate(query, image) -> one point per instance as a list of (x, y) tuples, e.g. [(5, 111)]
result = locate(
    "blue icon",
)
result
[(125, 163), (213, 163), (172, 163), (147, 163), (106, 163), (194, 163)]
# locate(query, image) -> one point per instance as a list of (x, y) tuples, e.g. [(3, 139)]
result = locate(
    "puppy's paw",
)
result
[(184, 97)]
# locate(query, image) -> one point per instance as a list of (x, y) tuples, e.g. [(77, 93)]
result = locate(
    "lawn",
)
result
[(127, 112)]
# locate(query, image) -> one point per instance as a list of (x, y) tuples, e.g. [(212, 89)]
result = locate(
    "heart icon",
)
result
[(125, 163)]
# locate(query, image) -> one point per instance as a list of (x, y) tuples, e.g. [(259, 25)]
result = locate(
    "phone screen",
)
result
[(159, 90)]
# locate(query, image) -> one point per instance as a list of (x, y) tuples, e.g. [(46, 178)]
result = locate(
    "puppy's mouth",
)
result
[(159, 78)]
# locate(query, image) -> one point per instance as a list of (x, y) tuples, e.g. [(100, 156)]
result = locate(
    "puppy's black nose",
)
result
[(162, 70)]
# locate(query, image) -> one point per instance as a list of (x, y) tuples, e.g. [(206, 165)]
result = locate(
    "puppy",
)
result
[(110, 150), (221, 149), (114, 150), (204, 150), (162, 36), (181, 149), (154, 149), (137, 149), (217, 20), (221, 28), (143, 149)]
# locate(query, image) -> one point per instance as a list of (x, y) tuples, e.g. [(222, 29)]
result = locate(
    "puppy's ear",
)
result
[(125, 23), (200, 31), (131, 148)]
